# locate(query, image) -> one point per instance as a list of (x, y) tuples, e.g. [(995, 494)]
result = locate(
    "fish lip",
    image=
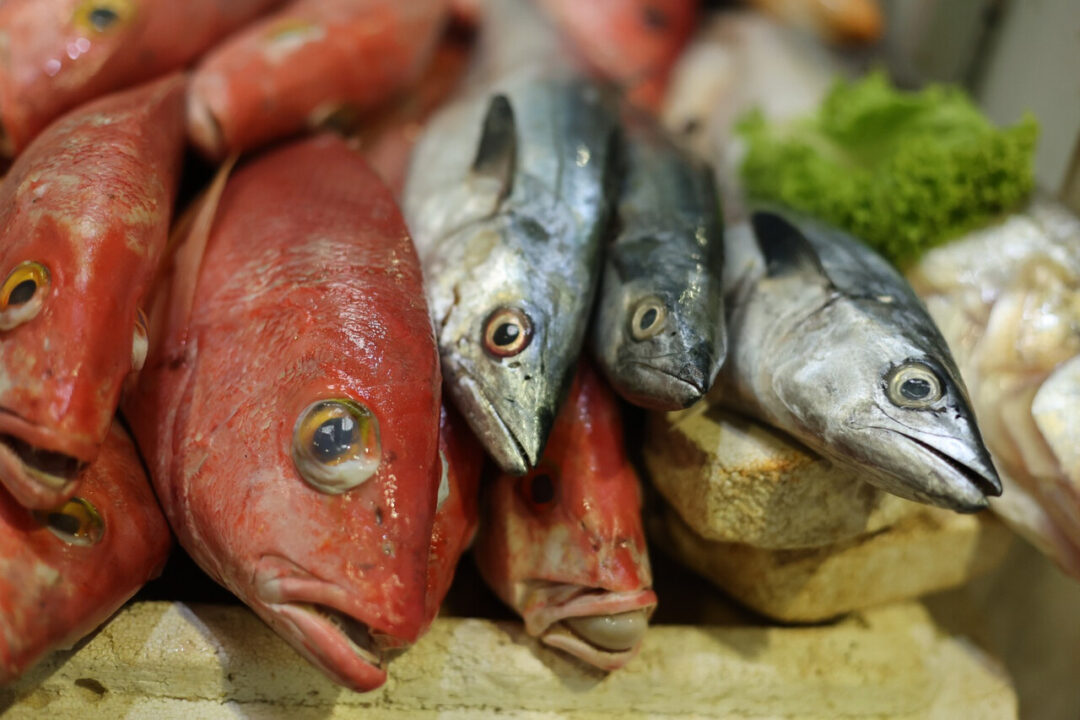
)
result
[(324, 628), (204, 128), (501, 442), (38, 476), (547, 623), (988, 486), (692, 391)]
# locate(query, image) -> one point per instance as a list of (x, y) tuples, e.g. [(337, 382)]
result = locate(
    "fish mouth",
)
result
[(665, 390), (38, 478), (987, 485), (314, 617), (204, 128), (600, 627), (513, 453)]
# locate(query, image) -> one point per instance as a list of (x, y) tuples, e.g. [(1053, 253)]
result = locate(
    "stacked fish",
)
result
[(281, 357)]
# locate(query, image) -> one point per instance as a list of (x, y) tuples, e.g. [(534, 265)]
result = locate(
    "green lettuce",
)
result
[(903, 171)]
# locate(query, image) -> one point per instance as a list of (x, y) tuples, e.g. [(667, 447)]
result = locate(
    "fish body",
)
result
[(61, 53), (564, 545), (458, 506), (290, 415), (84, 217), (66, 570), (830, 344), (1007, 299), (659, 331), (507, 196), (633, 43), (302, 65)]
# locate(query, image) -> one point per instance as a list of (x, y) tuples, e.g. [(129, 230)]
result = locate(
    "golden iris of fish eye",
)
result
[(103, 16), (336, 445), (914, 371), (76, 522), (24, 272), (507, 331), (648, 318)]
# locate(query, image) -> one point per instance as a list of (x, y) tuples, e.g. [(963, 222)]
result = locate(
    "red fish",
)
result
[(66, 570), (57, 54), (305, 63), (634, 43), (290, 407), (387, 137), (458, 505), (564, 545), (84, 216)]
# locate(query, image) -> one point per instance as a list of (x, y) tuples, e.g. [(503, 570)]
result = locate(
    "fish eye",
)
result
[(538, 490), (336, 445), (76, 522), (23, 293), (507, 332), (648, 318), (100, 16), (914, 386)]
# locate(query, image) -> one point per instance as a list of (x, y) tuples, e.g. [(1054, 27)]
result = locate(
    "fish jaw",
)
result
[(323, 622), (513, 439), (658, 388), (558, 614), (41, 469)]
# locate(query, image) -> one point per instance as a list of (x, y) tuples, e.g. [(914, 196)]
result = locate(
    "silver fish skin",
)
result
[(507, 195), (830, 344), (659, 330)]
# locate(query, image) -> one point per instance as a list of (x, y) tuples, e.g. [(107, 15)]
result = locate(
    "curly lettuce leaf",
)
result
[(903, 171)]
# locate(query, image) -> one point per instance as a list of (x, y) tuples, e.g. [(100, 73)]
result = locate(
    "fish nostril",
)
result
[(615, 633)]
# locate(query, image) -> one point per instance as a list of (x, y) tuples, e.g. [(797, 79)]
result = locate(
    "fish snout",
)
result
[(512, 436), (36, 467)]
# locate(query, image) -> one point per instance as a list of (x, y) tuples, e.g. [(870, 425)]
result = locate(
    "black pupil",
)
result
[(648, 318), (22, 292), (542, 489), (506, 334), (915, 389), (64, 523), (655, 18), (102, 18), (335, 437)]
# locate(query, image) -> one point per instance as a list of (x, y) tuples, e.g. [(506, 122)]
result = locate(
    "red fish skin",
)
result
[(583, 553), (309, 289), (52, 594), (52, 60), (388, 136), (633, 43), (457, 515), (90, 199), (292, 69)]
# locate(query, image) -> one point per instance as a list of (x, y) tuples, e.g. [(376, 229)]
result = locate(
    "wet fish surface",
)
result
[(507, 218), (84, 218), (564, 545), (659, 330), (830, 344), (66, 570), (290, 406)]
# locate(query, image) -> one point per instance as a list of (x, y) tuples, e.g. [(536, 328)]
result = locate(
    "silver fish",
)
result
[(659, 331), (830, 344), (507, 195)]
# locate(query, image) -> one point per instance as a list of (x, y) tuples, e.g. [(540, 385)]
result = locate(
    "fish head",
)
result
[(660, 331), (57, 44), (884, 401), (507, 352), (564, 545)]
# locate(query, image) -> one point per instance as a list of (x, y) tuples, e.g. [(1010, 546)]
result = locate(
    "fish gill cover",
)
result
[(904, 171)]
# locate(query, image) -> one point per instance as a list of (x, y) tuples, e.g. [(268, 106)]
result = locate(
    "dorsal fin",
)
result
[(785, 249), (496, 156), (190, 236)]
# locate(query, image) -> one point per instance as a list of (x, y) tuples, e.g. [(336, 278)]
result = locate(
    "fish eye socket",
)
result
[(507, 332), (648, 319), (914, 386), (100, 16), (538, 490), (23, 293), (336, 445), (76, 522)]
